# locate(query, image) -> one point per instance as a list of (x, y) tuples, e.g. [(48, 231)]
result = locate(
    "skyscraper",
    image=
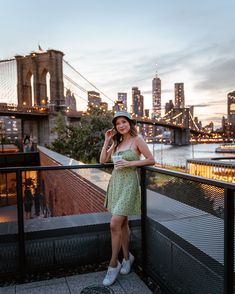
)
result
[(118, 106), (123, 98), (231, 108), (70, 100), (137, 102), (169, 106), (156, 94), (94, 99), (179, 95)]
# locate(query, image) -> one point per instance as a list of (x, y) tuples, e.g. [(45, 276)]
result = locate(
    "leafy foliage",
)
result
[(83, 142)]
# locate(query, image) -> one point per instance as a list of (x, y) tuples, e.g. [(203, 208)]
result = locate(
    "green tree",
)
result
[(60, 144), (87, 139), (83, 142)]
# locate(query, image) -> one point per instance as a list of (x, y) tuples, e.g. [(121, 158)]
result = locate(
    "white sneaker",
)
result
[(111, 275), (126, 265)]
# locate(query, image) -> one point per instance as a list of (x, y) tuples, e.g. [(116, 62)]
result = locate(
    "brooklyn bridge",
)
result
[(32, 88)]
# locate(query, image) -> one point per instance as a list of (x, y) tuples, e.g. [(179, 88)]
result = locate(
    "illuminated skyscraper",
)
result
[(231, 108), (179, 95), (156, 94), (94, 99), (123, 98), (169, 106), (137, 102), (118, 106)]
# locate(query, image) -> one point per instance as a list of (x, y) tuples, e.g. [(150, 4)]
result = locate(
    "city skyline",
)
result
[(117, 45)]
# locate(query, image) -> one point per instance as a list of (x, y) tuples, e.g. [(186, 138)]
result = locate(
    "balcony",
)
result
[(183, 241)]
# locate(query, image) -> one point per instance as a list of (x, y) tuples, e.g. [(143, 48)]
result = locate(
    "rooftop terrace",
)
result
[(183, 241)]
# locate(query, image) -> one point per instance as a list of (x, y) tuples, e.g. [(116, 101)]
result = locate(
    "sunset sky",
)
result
[(117, 44)]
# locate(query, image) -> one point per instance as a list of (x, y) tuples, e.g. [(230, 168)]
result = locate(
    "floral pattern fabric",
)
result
[(123, 193)]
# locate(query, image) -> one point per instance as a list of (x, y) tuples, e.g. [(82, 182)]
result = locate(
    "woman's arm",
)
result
[(105, 154), (106, 151)]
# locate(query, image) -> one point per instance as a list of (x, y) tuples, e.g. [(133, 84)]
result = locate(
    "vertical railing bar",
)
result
[(228, 240), (20, 215), (143, 216)]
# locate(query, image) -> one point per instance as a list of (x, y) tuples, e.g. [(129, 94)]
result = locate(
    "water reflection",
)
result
[(177, 155)]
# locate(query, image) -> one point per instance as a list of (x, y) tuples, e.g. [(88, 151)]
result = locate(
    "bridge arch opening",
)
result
[(48, 87), (32, 90), (27, 90), (44, 87)]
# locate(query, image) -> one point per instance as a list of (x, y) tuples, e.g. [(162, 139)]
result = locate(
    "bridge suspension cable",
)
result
[(195, 125), (168, 113), (8, 81), (75, 83), (90, 83)]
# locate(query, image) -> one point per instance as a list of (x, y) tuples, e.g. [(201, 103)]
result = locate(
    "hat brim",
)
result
[(130, 120)]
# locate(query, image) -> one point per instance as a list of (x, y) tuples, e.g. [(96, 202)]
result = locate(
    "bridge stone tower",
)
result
[(46, 68), (39, 64)]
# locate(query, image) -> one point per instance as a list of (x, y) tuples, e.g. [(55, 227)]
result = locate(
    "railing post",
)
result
[(143, 215), (228, 240), (20, 214)]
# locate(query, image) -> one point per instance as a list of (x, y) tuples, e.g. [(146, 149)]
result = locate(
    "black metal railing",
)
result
[(172, 203), (18, 233), (188, 212)]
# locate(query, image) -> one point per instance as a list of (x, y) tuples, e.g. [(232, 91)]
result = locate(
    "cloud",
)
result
[(219, 75)]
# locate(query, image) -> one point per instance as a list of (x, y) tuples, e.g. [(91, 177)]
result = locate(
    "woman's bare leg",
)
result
[(125, 238), (116, 236)]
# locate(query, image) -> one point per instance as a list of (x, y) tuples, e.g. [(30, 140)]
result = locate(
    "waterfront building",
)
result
[(104, 106), (224, 124), (198, 123), (209, 128), (179, 95), (122, 97), (222, 169), (10, 129), (137, 102), (231, 108), (169, 106), (94, 99), (146, 113), (156, 96), (118, 106)]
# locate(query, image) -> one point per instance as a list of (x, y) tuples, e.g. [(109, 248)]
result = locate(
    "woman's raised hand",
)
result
[(108, 134)]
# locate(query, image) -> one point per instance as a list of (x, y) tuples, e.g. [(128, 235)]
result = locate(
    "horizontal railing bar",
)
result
[(203, 180), (55, 167)]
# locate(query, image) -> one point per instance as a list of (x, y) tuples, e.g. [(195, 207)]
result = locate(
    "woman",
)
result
[(123, 194)]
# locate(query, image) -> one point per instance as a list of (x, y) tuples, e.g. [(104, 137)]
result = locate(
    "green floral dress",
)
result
[(123, 193)]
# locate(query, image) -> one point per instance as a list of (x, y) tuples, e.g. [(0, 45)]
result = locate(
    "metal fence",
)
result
[(188, 232), (187, 227)]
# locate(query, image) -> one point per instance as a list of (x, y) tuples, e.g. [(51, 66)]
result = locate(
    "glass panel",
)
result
[(53, 193), (58, 199)]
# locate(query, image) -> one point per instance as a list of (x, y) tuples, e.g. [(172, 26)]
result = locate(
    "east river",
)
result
[(177, 155)]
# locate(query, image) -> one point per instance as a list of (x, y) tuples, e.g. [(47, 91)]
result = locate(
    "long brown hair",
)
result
[(117, 137)]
